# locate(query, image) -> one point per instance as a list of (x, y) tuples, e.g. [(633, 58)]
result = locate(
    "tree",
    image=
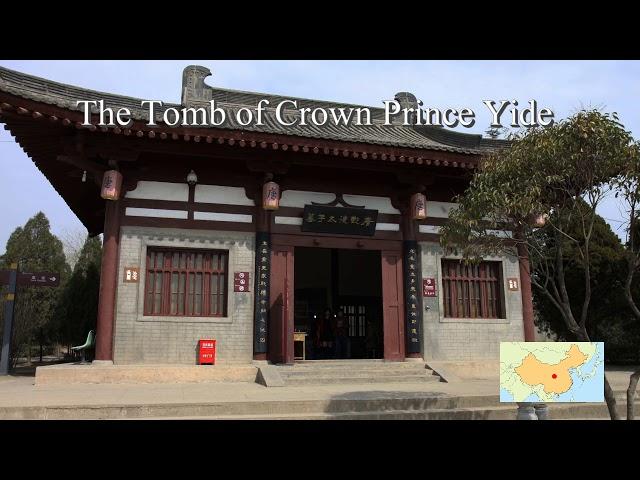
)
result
[(72, 242), (77, 309), (548, 180), (628, 184), (608, 269), (34, 248)]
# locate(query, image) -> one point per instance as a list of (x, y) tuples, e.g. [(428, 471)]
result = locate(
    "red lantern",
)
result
[(111, 185), (271, 196), (418, 206)]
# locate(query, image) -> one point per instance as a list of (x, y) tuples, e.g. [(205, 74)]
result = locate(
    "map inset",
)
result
[(551, 372)]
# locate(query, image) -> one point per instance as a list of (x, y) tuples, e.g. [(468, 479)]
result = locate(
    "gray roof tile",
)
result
[(419, 137)]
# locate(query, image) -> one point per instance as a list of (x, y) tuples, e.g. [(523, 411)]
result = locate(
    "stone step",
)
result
[(507, 412), (416, 407), (352, 364), (355, 379), (365, 371), (415, 402), (340, 372)]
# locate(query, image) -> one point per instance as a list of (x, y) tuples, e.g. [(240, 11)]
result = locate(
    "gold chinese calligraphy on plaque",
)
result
[(351, 221)]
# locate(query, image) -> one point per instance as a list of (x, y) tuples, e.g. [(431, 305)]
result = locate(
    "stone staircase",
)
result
[(331, 372)]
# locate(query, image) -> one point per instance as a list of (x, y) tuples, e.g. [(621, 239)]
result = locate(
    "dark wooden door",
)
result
[(281, 318), (392, 306)]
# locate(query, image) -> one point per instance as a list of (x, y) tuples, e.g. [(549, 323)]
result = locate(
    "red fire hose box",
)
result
[(206, 352)]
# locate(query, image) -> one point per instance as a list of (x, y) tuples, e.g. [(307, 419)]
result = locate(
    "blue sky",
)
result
[(563, 86)]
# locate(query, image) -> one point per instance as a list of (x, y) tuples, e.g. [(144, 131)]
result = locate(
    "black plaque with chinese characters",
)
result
[(412, 295), (344, 221), (261, 296)]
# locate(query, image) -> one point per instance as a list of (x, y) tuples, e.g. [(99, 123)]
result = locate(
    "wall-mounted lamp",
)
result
[(192, 178), (418, 206), (111, 185), (271, 196)]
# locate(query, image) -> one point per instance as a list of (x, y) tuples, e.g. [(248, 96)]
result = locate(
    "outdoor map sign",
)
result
[(32, 279), (39, 279), (345, 221), (13, 278)]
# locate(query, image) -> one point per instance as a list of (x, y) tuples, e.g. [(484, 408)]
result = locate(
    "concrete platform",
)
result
[(65, 374), (21, 398)]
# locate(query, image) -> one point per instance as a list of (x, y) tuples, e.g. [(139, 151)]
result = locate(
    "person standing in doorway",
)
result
[(372, 339), (326, 333), (313, 340), (342, 341)]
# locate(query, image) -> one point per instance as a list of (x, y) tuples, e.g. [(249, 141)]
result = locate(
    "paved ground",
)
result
[(21, 391)]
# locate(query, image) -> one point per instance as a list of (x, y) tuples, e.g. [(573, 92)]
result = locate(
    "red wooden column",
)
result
[(392, 305), (108, 282), (525, 289), (281, 321)]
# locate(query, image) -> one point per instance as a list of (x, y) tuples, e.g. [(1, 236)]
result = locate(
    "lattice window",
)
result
[(472, 291), (189, 283), (356, 315)]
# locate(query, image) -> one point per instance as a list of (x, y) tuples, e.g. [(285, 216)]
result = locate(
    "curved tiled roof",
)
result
[(419, 137)]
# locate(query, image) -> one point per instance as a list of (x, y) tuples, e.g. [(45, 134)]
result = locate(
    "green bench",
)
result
[(90, 343)]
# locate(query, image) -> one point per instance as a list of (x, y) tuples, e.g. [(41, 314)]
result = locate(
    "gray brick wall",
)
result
[(142, 339), (467, 339)]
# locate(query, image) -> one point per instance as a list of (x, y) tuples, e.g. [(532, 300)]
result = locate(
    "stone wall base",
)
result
[(453, 372), (91, 373)]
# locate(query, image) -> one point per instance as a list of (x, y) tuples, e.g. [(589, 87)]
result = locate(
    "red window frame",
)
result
[(473, 290), (183, 282)]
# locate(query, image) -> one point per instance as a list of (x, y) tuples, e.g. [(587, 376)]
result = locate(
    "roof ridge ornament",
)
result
[(407, 100), (194, 90)]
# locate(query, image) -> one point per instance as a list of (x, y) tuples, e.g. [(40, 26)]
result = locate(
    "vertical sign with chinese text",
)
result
[(413, 299), (261, 295)]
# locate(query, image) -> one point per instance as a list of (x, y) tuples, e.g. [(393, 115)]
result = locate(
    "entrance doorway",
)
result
[(338, 308), (285, 267)]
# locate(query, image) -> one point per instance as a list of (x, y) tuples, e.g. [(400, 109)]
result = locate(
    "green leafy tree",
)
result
[(34, 248), (554, 177), (628, 184), (608, 269), (77, 310)]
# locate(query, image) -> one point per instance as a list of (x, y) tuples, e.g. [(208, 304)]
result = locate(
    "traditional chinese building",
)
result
[(248, 235)]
